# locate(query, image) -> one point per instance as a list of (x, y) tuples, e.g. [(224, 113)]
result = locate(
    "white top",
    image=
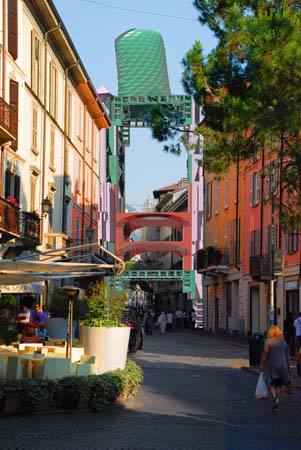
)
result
[(297, 325), (169, 317)]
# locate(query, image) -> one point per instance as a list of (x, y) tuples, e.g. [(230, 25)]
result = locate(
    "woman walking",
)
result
[(275, 363)]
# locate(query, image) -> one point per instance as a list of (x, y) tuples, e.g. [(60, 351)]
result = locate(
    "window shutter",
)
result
[(251, 243), (33, 60), (257, 188), (14, 102), (8, 177), (17, 188), (12, 28), (251, 189), (286, 241)]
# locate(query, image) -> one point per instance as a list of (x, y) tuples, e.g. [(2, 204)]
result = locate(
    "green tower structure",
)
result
[(141, 63)]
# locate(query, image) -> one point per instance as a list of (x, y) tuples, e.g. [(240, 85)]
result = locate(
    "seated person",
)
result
[(41, 331), (23, 318), (37, 315), (29, 336)]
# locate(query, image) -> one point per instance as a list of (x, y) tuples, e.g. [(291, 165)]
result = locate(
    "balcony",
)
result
[(8, 122), (30, 228), (260, 267), (212, 261), (9, 220)]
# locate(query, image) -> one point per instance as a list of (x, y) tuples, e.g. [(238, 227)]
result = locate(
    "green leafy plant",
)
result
[(59, 306), (8, 333), (99, 391), (8, 301), (106, 306), (104, 391), (69, 391)]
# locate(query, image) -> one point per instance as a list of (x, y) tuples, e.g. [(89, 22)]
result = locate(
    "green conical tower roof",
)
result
[(141, 63)]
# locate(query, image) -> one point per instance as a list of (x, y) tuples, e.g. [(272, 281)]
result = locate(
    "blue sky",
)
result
[(93, 28)]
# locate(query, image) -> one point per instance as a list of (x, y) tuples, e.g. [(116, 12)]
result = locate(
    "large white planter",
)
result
[(57, 327), (109, 345)]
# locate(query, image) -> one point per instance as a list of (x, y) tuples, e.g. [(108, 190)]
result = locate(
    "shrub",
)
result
[(8, 301), (100, 391), (59, 306), (106, 306)]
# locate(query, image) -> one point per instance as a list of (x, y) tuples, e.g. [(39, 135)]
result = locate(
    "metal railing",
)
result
[(30, 226), (260, 266), (8, 117)]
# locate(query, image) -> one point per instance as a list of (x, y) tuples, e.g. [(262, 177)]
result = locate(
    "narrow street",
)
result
[(194, 397)]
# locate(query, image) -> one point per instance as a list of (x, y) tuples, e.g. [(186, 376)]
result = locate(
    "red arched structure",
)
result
[(126, 223)]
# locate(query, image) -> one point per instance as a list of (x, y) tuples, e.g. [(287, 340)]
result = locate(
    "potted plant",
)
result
[(8, 333), (57, 323), (103, 334)]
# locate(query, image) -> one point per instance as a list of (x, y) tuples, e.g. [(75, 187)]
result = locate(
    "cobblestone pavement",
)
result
[(194, 397)]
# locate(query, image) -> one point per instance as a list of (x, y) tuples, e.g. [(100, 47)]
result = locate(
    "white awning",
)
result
[(26, 288)]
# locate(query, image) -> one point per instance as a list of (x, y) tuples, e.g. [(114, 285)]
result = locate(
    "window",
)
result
[(12, 186), (216, 237), (14, 102), (96, 144), (226, 243), (77, 230), (80, 122), (208, 199), (216, 208), (254, 243), (291, 241), (33, 188), (272, 179), (52, 145), (232, 240), (88, 134), (79, 176), (69, 114), (34, 138), (36, 64), (12, 28), (87, 186), (255, 188), (53, 90), (226, 199)]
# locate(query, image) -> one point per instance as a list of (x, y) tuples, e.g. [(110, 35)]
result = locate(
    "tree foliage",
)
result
[(249, 88)]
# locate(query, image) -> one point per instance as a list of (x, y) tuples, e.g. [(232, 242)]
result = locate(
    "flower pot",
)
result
[(12, 401), (123, 396), (109, 345), (58, 327)]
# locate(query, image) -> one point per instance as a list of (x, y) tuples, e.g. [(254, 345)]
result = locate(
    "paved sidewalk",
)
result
[(244, 343)]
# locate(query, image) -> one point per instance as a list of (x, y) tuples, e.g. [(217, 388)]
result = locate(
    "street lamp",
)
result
[(70, 292), (46, 206), (89, 234)]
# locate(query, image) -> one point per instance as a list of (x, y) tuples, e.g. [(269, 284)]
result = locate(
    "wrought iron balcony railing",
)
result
[(9, 219), (260, 266), (209, 256), (8, 122), (30, 227)]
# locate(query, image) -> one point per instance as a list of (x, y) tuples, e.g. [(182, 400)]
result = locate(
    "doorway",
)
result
[(254, 310)]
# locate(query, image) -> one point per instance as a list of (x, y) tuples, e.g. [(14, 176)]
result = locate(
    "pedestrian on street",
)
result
[(275, 364), (192, 319), (161, 322), (169, 321), (297, 325), (179, 319), (289, 333)]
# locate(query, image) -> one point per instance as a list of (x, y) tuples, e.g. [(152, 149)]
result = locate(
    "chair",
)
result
[(86, 366), (3, 366), (53, 368), (15, 369)]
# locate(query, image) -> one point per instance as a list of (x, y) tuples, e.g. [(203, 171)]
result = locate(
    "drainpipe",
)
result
[(236, 214), (261, 200), (65, 162), (44, 121), (3, 87)]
